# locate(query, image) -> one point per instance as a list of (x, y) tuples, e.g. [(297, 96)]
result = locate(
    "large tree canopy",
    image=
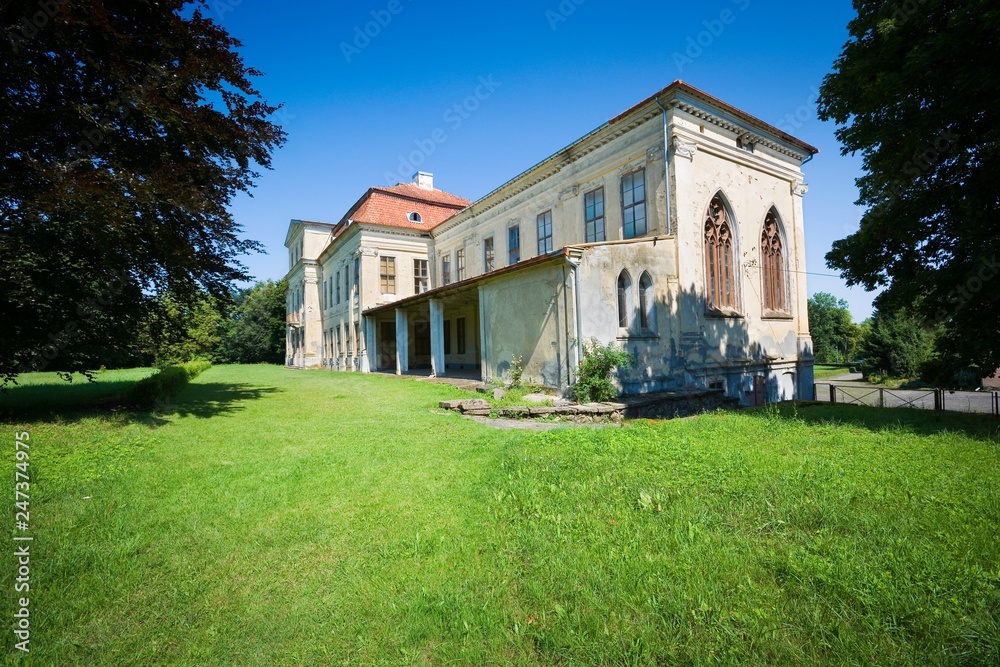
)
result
[(915, 93), (126, 128)]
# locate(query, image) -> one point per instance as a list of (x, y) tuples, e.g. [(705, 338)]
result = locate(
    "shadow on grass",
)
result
[(75, 402), (923, 422), (211, 399)]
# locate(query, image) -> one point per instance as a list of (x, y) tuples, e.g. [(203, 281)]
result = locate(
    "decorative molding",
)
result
[(684, 148), (654, 152), (568, 194), (366, 251), (800, 189)]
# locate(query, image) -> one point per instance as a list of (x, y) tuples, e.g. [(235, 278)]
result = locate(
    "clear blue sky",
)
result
[(558, 69)]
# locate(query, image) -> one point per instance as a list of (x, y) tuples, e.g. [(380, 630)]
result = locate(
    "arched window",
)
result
[(772, 264), (415, 217), (720, 279), (624, 286), (646, 319)]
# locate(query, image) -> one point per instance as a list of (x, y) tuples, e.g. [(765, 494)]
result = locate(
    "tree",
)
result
[(177, 332), (126, 128), (914, 93), (897, 346), (255, 332), (835, 335)]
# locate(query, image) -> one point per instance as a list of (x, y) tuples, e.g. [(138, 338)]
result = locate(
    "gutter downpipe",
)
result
[(579, 314), (666, 167)]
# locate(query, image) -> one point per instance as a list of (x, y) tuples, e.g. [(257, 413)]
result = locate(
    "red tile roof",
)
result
[(391, 207), (437, 196)]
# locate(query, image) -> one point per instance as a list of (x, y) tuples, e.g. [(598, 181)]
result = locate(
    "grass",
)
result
[(275, 517), (822, 371), (47, 392)]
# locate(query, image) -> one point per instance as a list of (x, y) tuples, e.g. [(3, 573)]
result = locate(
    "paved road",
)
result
[(851, 390)]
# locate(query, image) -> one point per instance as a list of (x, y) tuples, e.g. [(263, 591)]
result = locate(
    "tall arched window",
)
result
[(719, 275), (624, 285), (646, 319), (772, 264)]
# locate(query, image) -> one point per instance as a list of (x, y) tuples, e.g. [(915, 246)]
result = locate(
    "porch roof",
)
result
[(463, 287)]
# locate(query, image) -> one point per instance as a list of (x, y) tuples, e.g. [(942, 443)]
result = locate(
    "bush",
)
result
[(516, 371), (196, 367), (593, 382), (164, 385)]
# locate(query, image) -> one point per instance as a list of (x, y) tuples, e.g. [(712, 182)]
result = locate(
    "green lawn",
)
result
[(821, 372), (278, 517)]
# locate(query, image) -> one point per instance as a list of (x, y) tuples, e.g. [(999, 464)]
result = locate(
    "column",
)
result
[(437, 338), (402, 342)]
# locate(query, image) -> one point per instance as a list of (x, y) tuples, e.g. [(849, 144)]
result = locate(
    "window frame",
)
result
[(588, 221), (421, 275), (387, 279), (636, 203), (774, 295), (460, 264), (543, 225), (720, 247), (513, 252), (623, 301), (446, 269), (646, 304), (489, 254)]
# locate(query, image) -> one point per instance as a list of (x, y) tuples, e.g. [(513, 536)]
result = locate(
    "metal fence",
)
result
[(942, 400)]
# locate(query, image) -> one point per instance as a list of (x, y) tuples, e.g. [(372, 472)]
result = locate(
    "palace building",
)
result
[(674, 230)]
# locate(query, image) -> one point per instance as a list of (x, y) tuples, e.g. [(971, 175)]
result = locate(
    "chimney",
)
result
[(423, 180)]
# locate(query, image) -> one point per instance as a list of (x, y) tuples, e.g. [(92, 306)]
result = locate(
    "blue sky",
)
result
[(540, 75)]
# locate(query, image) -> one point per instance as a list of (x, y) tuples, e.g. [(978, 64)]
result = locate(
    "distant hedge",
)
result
[(165, 385)]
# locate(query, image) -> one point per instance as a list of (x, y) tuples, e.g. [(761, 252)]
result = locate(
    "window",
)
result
[(340, 342), (513, 245), (420, 282), (772, 264), (545, 233), (337, 280), (357, 280), (719, 275), (446, 269), (460, 263), (646, 318), (624, 287), (593, 206), (460, 334), (487, 255), (359, 341), (447, 336), (415, 217), (387, 274), (634, 203), (350, 341)]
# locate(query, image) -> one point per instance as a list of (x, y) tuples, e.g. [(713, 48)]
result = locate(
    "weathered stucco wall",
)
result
[(531, 315)]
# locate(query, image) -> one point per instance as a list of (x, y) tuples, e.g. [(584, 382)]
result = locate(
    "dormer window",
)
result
[(415, 217)]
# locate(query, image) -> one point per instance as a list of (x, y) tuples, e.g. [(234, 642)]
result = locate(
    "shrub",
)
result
[(196, 367), (164, 385), (593, 381), (516, 371)]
